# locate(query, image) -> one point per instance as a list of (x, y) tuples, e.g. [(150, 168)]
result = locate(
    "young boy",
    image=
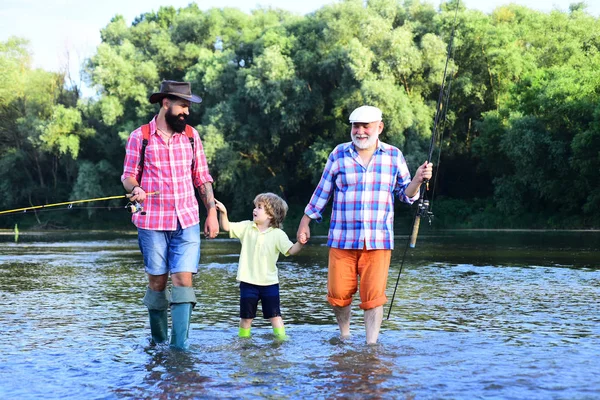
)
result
[(262, 240)]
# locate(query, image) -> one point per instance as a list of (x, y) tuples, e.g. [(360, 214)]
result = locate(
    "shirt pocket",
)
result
[(152, 171), (350, 179), (183, 156), (383, 178)]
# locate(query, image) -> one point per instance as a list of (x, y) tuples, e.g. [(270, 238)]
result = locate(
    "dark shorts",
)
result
[(268, 296)]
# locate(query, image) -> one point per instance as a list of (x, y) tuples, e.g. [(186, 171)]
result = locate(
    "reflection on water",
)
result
[(476, 315), (357, 372)]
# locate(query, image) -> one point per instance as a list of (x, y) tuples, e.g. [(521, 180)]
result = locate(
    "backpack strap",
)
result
[(146, 138), (189, 132)]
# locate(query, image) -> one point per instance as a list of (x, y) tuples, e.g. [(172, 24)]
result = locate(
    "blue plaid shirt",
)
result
[(363, 196)]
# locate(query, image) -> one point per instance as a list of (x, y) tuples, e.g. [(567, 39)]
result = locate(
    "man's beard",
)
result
[(175, 122), (371, 141)]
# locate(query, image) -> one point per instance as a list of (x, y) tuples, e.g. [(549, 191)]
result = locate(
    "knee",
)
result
[(158, 283), (183, 279), (245, 323), (340, 296)]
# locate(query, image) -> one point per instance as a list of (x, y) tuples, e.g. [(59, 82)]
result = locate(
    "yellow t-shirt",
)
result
[(260, 251)]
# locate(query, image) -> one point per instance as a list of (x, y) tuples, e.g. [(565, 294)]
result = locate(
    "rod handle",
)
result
[(415, 232), (129, 195)]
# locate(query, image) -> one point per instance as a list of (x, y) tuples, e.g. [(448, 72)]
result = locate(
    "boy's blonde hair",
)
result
[(275, 207)]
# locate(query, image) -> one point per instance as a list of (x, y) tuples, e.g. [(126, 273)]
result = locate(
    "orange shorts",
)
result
[(345, 266)]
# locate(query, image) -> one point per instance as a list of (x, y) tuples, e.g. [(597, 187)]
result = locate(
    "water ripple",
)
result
[(76, 328)]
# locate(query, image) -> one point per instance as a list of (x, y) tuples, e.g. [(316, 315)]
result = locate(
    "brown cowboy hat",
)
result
[(182, 90)]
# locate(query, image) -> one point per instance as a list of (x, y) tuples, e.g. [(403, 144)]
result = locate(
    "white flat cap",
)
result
[(365, 114)]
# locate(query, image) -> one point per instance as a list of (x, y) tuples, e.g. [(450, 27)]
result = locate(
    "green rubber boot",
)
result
[(244, 332), (183, 301), (158, 305), (280, 333)]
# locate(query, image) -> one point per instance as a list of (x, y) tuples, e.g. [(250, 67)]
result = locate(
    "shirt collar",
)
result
[(256, 227), (153, 126)]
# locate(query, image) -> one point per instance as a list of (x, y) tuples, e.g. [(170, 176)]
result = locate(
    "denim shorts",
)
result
[(268, 296), (170, 251)]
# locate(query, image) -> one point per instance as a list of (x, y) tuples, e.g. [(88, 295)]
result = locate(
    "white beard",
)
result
[(361, 144)]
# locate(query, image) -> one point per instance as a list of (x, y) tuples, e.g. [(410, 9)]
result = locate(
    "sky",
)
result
[(65, 32)]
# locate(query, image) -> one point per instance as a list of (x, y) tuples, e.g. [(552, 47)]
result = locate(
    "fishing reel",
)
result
[(424, 212), (135, 208)]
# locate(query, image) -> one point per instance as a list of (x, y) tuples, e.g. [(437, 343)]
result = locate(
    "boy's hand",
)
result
[(302, 238), (220, 206)]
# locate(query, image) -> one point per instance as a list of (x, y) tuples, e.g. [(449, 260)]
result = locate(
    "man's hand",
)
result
[(424, 172), (137, 194), (303, 233), (211, 225)]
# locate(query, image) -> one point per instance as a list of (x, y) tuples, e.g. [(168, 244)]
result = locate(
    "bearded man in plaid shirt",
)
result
[(171, 164), (363, 176)]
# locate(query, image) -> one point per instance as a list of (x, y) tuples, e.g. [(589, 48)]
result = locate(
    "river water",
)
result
[(506, 315)]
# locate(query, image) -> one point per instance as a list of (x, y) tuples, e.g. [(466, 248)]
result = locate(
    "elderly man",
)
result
[(363, 176), (166, 157)]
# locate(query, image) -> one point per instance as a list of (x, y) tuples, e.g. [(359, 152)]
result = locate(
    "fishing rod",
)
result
[(131, 207), (74, 208), (440, 114)]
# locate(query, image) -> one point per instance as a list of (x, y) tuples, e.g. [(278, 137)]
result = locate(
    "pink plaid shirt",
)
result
[(168, 170)]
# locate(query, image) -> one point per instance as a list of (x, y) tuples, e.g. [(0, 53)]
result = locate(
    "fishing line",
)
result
[(70, 209), (69, 204), (441, 140), (440, 115)]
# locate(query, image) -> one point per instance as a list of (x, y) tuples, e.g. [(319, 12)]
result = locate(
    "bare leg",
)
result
[(158, 283), (342, 314), (181, 279), (245, 323), (276, 322), (373, 318)]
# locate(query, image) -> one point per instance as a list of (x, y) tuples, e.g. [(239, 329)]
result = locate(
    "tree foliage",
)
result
[(40, 130), (521, 137)]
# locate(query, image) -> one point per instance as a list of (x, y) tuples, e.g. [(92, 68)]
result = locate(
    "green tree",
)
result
[(520, 137), (40, 136)]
